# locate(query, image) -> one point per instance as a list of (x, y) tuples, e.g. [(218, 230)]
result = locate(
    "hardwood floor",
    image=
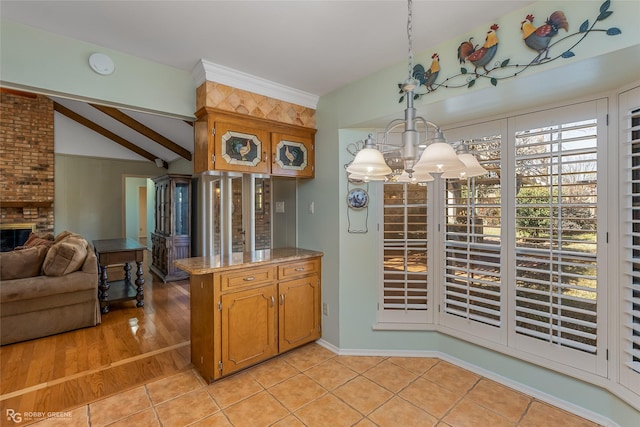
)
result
[(131, 347)]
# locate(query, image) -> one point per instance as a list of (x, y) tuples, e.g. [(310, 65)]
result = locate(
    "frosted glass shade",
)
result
[(439, 157), (369, 162), (366, 178), (416, 177), (472, 168)]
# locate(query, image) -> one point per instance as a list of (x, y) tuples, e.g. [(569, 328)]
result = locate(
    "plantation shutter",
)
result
[(556, 245), (473, 294), (630, 331), (404, 292)]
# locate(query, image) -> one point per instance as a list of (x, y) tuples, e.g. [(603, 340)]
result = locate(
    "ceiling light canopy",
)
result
[(371, 163)]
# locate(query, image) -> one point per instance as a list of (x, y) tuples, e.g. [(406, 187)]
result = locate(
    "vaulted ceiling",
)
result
[(145, 136)]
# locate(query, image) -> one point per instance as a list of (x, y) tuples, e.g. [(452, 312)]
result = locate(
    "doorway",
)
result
[(139, 221), (142, 216)]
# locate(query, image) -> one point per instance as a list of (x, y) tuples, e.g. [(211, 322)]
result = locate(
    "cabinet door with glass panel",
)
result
[(293, 154)]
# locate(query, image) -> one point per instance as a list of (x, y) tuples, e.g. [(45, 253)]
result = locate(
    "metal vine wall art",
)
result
[(541, 39)]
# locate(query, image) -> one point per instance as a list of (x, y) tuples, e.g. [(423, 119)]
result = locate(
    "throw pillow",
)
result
[(37, 239), (22, 264), (65, 256), (64, 234)]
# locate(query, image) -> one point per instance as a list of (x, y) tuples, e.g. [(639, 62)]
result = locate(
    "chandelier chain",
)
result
[(409, 31), (418, 160)]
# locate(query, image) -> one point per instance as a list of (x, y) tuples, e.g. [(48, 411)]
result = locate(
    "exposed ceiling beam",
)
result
[(144, 130), (106, 133), (18, 92)]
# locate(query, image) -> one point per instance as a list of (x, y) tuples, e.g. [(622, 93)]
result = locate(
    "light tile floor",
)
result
[(313, 387)]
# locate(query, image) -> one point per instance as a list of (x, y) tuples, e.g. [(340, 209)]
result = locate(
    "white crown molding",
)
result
[(205, 70)]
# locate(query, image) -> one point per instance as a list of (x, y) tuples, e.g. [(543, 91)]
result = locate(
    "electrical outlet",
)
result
[(325, 309)]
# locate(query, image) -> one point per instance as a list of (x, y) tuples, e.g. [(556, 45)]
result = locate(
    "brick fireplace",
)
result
[(26, 160)]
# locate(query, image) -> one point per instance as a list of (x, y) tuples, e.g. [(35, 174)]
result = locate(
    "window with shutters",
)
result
[(556, 217), (473, 296), (630, 336), (405, 297), (518, 255)]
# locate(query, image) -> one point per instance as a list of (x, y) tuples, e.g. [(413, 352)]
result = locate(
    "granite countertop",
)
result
[(205, 265)]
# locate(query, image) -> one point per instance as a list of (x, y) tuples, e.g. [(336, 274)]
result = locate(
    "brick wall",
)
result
[(26, 158)]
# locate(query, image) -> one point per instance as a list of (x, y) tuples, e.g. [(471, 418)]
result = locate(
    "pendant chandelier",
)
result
[(418, 159)]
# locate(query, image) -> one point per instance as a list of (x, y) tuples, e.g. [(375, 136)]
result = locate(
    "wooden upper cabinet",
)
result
[(292, 155), (241, 148), (233, 142)]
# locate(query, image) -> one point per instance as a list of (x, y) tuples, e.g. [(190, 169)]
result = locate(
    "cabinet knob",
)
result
[(273, 301), (249, 279), (281, 299), (300, 269)]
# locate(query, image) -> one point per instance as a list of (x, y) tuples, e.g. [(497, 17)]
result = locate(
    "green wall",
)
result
[(43, 62), (90, 191), (350, 276)]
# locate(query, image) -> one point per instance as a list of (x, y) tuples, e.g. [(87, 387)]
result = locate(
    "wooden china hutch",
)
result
[(171, 239)]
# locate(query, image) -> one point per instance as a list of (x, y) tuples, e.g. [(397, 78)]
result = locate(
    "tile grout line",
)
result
[(525, 412), (460, 399)]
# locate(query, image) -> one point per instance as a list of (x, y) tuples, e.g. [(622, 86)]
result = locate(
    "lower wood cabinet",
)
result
[(299, 313), (248, 328), (243, 316)]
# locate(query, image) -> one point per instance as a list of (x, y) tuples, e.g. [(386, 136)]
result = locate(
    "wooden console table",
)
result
[(118, 251)]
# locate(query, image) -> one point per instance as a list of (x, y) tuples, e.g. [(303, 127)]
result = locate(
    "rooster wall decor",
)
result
[(428, 78), (480, 57), (542, 39), (539, 38)]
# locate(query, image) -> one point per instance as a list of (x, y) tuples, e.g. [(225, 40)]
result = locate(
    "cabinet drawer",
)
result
[(298, 268), (246, 277)]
